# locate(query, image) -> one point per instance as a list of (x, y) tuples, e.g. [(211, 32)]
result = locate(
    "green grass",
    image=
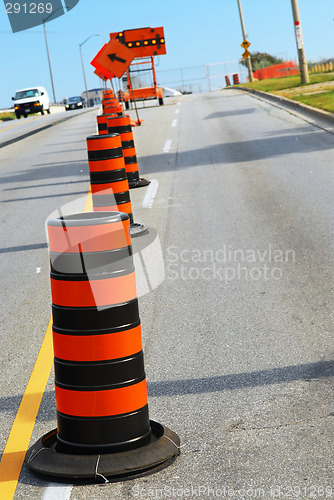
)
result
[(288, 82), (324, 100), (7, 116)]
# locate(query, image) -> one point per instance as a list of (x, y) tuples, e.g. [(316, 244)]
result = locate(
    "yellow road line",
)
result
[(19, 437), (89, 202), (20, 434), (16, 125)]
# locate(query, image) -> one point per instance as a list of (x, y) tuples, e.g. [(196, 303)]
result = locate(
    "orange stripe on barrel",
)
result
[(129, 152), (104, 165), (89, 238), (92, 293), (97, 347), (101, 403), (104, 143), (110, 101), (120, 121), (111, 187), (125, 136), (132, 167), (109, 109)]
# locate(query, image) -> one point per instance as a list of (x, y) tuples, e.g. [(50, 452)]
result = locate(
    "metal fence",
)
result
[(205, 78)]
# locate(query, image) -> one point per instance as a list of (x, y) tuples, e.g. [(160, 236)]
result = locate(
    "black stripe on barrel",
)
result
[(105, 154), (93, 318), (108, 176), (128, 160), (119, 129)]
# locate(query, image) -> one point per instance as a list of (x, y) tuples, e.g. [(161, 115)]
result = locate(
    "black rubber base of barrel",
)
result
[(137, 229), (163, 449), (137, 184)]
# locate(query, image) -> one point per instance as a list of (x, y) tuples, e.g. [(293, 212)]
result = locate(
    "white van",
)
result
[(32, 100)]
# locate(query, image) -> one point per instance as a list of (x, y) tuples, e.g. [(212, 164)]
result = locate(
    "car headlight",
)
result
[(79, 103)]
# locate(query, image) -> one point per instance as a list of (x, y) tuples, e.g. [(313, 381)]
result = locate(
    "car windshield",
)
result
[(23, 94), (74, 99)]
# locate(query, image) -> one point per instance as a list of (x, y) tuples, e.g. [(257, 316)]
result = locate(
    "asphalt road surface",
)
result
[(237, 316)]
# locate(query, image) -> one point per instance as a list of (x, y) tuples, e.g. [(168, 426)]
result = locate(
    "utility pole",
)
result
[(249, 62), (300, 43)]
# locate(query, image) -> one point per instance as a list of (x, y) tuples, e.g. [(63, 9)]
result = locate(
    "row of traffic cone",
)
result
[(103, 426), (113, 121), (113, 163)]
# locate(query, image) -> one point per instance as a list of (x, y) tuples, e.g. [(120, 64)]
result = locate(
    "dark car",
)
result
[(74, 103)]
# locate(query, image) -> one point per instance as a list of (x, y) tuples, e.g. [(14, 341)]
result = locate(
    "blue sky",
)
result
[(197, 32)]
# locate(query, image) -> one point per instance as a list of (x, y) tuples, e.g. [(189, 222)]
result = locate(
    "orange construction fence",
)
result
[(287, 68)]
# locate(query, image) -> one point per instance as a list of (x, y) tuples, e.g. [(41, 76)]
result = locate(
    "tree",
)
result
[(261, 60)]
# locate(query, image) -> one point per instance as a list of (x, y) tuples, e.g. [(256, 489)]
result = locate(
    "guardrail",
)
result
[(54, 108)]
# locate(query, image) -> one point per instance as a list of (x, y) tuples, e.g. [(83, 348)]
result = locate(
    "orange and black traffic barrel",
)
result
[(105, 152), (109, 101), (108, 93), (103, 425), (102, 124), (110, 109), (120, 96), (227, 81), (235, 79), (122, 125), (99, 370), (108, 178)]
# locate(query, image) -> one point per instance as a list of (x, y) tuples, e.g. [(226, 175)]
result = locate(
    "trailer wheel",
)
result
[(161, 101)]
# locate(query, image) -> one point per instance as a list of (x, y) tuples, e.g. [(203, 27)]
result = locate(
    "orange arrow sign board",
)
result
[(145, 42), (101, 69), (115, 57), (100, 75)]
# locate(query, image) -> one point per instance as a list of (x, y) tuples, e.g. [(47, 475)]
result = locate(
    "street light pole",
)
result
[(47, 48), (249, 62), (49, 61), (83, 66), (300, 43)]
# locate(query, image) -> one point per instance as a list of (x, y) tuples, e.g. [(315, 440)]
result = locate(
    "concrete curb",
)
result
[(43, 127), (57, 108), (287, 103)]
